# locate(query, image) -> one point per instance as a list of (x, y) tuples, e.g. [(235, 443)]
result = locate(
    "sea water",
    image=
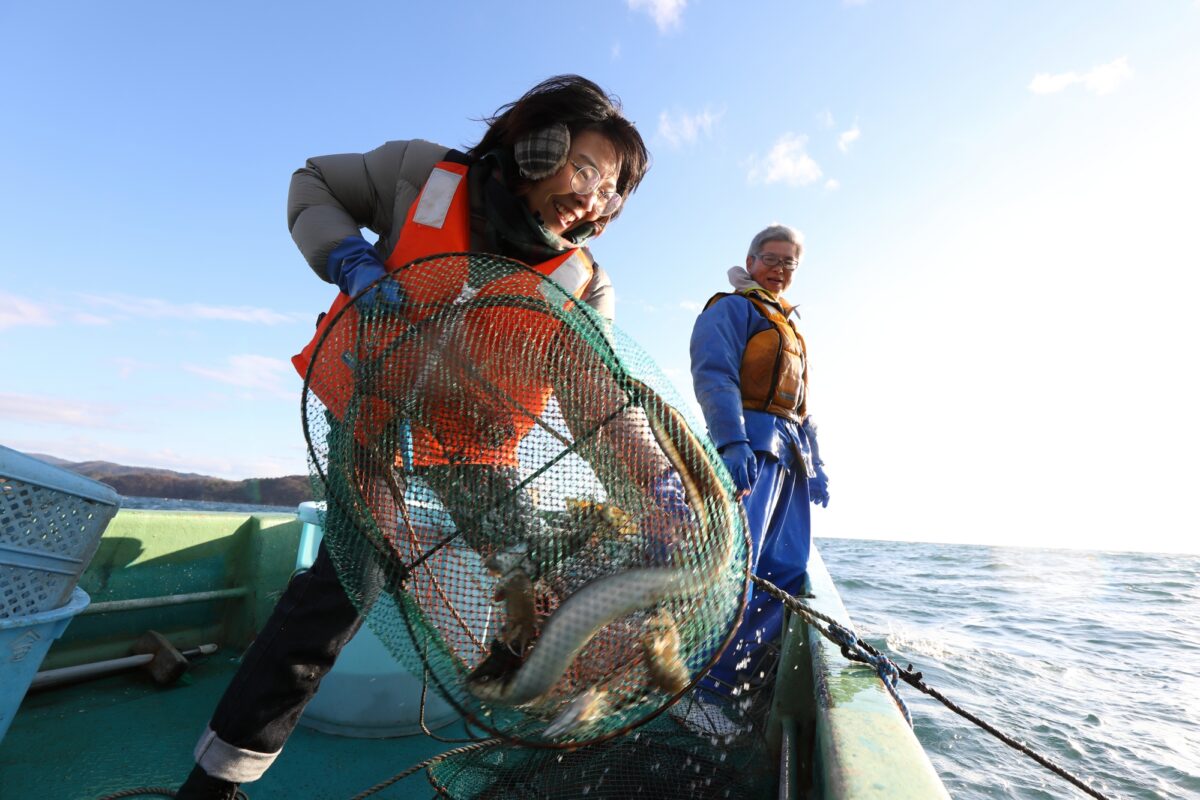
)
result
[(165, 504), (1092, 659)]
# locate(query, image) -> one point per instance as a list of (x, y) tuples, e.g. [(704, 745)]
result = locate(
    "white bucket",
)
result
[(367, 694)]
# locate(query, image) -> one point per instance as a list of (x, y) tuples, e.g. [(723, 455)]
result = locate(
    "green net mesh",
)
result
[(517, 505), (695, 751)]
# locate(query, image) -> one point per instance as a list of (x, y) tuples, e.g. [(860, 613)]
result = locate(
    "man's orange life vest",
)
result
[(459, 419), (774, 371)]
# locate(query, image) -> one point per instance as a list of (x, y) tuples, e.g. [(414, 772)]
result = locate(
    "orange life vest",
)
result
[(774, 371), (453, 429)]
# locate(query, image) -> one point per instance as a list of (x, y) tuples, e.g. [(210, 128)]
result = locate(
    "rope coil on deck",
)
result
[(855, 649)]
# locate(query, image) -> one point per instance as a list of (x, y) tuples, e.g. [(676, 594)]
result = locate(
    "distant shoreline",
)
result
[(138, 484)]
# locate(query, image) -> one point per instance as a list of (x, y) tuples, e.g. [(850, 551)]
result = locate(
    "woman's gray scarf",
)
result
[(507, 221)]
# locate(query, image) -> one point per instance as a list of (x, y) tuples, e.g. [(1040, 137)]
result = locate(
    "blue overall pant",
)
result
[(777, 513)]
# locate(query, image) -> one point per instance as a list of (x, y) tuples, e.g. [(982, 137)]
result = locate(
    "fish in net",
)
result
[(707, 745), (516, 503)]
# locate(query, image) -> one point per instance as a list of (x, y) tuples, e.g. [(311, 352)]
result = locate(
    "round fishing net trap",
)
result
[(710, 744), (689, 754), (516, 503)]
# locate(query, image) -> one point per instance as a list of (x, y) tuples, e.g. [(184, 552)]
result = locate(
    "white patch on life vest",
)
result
[(467, 293), (572, 275), (435, 198)]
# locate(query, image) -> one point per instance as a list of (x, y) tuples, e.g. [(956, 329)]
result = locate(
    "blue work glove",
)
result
[(818, 487), (668, 494), (665, 525), (355, 265), (742, 465)]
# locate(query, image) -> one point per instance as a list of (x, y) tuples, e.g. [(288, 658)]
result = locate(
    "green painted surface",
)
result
[(863, 747), (121, 732), (159, 553)]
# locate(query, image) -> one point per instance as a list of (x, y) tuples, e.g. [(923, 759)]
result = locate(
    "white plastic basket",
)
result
[(51, 520), (367, 694)]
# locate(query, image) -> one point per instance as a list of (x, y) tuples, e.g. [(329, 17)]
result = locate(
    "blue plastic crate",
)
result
[(51, 520), (24, 642)]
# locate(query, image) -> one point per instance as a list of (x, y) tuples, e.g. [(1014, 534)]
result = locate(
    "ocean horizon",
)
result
[(174, 504)]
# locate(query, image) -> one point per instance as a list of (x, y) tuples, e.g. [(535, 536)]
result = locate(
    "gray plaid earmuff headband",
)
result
[(543, 152)]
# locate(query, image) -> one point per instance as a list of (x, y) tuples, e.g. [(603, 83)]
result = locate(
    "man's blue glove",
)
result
[(818, 487), (669, 514), (742, 465), (355, 265), (667, 491)]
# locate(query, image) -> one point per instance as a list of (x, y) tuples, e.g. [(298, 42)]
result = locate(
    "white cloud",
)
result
[(787, 162), (666, 13), (84, 318), (31, 409), (847, 138), (692, 306), (615, 52), (128, 366), (1107, 78), (17, 311), (825, 118), (681, 128), (152, 308), (1045, 83), (833, 184), (256, 373), (1100, 80)]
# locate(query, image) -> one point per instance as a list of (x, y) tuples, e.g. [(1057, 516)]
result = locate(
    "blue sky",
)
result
[(999, 201)]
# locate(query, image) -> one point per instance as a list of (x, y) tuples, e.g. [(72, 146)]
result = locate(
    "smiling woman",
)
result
[(547, 176), (582, 190)]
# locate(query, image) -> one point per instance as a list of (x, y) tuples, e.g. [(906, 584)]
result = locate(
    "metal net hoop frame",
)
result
[(637, 395)]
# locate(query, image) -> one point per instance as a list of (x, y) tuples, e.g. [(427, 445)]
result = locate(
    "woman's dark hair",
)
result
[(580, 105)]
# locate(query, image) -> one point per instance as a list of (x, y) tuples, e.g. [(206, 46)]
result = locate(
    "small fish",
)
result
[(605, 519), (609, 597), (584, 709), (660, 646)]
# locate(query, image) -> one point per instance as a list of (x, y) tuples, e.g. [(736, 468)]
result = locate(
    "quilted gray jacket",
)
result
[(336, 196)]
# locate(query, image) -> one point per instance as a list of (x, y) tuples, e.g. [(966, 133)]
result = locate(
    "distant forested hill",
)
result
[(290, 490)]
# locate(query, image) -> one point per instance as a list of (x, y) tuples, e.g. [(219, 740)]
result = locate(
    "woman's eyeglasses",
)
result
[(586, 181), (772, 260)]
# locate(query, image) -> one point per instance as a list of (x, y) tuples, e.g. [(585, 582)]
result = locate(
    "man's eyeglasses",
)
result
[(586, 181), (772, 260)]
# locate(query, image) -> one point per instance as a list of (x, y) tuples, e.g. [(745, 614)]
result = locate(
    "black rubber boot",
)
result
[(202, 786)]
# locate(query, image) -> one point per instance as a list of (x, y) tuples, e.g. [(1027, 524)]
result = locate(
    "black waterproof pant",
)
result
[(281, 671), (315, 618)]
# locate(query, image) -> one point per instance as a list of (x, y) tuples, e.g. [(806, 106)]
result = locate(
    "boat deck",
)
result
[(120, 732), (832, 730)]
